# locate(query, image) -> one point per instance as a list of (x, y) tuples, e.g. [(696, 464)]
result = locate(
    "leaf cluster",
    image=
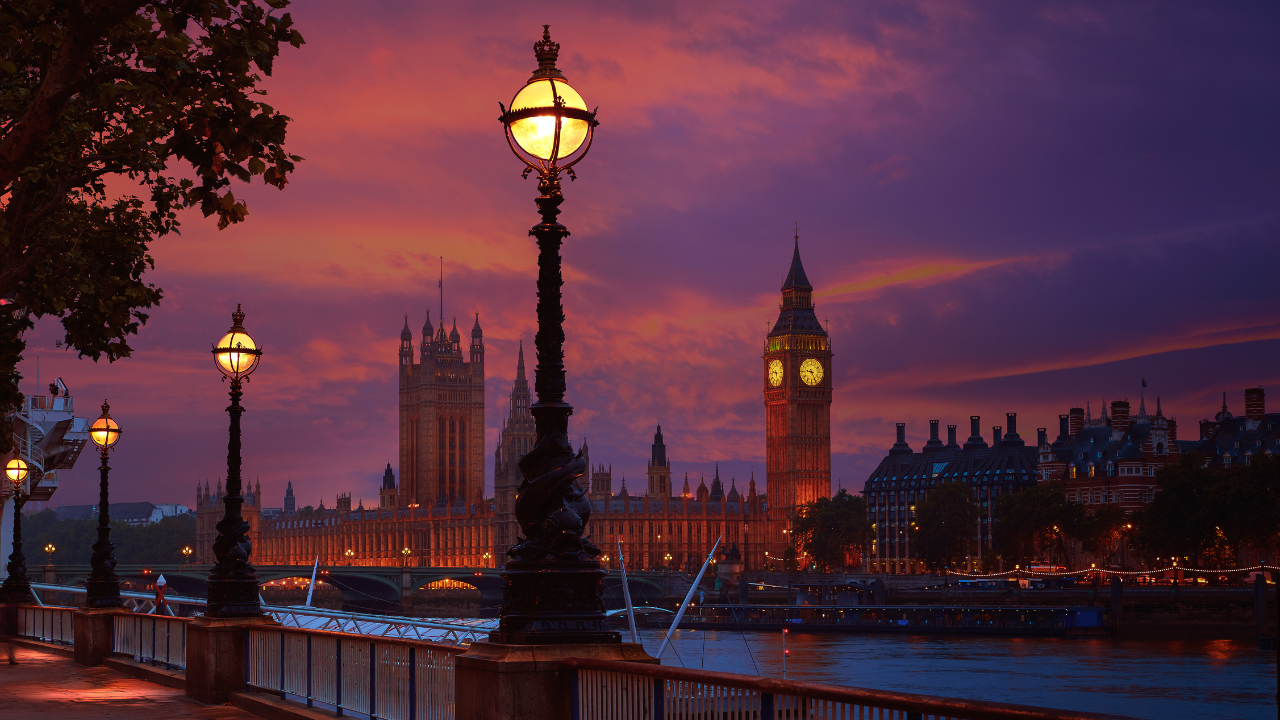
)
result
[(832, 530), (114, 116), (1024, 523), (946, 521), (160, 542), (1206, 514)]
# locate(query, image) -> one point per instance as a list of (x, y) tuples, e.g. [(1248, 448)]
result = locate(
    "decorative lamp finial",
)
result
[(547, 52)]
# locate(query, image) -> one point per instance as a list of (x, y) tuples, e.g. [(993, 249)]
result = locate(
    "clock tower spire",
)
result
[(797, 400)]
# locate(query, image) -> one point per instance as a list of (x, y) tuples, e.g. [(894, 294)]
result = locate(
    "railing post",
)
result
[(373, 681), (310, 702), (766, 706), (659, 699), (575, 712), (93, 634), (282, 692), (413, 684), (337, 675)]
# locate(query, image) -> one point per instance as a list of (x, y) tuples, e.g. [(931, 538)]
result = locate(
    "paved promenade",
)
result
[(45, 686)]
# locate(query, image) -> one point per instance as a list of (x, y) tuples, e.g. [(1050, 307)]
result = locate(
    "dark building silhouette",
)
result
[(904, 478)]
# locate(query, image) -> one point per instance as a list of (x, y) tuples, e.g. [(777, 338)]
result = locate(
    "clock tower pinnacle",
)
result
[(797, 400)]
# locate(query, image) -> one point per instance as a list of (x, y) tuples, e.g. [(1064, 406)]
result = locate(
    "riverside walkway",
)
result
[(51, 686)]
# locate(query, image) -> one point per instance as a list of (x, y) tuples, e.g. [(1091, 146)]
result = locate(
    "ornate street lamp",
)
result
[(103, 586), (405, 552), (186, 554), (551, 588), (49, 550), (233, 583), (16, 587)]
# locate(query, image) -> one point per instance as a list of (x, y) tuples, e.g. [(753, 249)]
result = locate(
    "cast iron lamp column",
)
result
[(16, 587), (103, 586), (233, 583), (551, 589)]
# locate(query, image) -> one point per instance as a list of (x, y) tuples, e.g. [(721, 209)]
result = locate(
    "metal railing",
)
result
[(612, 690), (48, 624), (157, 639), (385, 678)]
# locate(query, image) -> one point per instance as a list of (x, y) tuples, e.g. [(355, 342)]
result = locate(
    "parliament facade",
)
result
[(437, 514)]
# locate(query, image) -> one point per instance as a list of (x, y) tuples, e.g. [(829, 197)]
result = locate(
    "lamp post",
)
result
[(186, 554), (551, 588), (350, 554), (50, 550), (16, 587), (405, 552), (103, 586), (233, 583)]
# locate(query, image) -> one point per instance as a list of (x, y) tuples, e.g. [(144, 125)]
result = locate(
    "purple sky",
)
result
[(1002, 206)]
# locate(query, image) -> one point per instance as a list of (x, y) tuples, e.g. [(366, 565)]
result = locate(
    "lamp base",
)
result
[(103, 593), (553, 603), (234, 598)]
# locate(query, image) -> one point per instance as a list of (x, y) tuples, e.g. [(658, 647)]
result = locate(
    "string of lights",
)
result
[(1038, 573)]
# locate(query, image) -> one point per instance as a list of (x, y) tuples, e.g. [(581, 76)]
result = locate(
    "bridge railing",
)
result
[(374, 677), (157, 639), (48, 624), (612, 690)]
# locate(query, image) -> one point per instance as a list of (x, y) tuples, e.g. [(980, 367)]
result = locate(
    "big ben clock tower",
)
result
[(797, 401)]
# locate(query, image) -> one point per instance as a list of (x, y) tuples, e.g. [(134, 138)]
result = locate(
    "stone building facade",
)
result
[(446, 536), (210, 509), (1113, 459), (514, 440), (441, 418), (797, 397), (438, 511), (1229, 441), (904, 478)]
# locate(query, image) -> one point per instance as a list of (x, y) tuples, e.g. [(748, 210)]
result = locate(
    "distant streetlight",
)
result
[(186, 554), (549, 129), (50, 550), (16, 587), (350, 554), (487, 557), (405, 552), (233, 583), (103, 586)]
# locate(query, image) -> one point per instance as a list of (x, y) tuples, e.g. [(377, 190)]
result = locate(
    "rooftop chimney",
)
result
[(1255, 405), (995, 434), (1011, 422), (975, 435), (1042, 437), (951, 436), (934, 443), (900, 447), (1077, 421), (1064, 427), (1119, 416)]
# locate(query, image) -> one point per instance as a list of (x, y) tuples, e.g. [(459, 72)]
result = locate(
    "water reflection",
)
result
[(1138, 678)]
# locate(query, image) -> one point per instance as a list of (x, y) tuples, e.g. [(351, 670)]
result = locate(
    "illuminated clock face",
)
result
[(775, 372), (811, 372)]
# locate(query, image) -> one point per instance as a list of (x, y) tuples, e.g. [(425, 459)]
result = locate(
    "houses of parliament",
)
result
[(437, 515)]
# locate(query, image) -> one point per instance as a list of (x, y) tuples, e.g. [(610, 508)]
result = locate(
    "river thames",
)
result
[(1158, 679)]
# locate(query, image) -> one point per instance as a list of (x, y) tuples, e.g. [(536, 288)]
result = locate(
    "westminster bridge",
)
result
[(378, 589)]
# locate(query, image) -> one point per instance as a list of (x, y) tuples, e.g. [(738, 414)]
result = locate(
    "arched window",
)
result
[(1160, 448)]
